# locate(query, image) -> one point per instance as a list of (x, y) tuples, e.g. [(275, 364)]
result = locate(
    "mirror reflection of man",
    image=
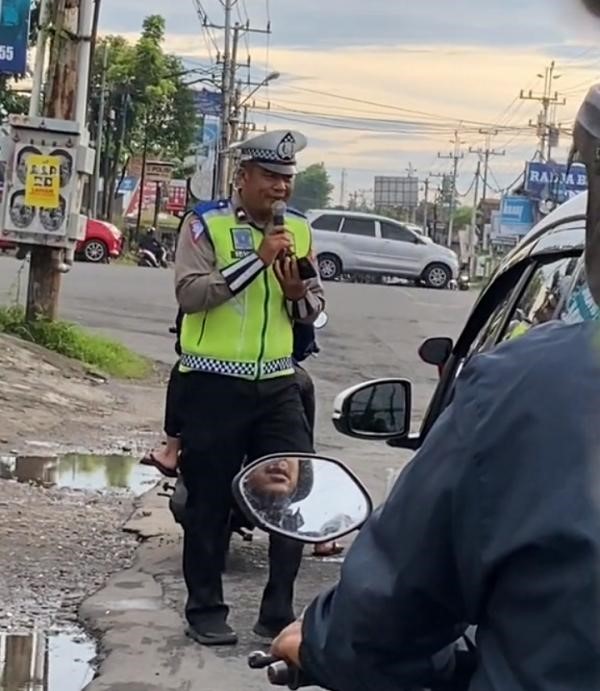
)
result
[(275, 487), (276, 479)]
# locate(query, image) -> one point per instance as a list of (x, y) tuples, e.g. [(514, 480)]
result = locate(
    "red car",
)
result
[(103, 241)]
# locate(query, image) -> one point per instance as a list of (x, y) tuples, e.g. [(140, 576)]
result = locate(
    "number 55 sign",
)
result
[(14, 31)]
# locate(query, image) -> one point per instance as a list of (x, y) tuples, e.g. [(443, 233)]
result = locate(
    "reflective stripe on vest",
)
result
[(249, 336)]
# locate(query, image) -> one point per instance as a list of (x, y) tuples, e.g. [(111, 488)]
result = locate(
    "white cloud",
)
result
[(464, 59)]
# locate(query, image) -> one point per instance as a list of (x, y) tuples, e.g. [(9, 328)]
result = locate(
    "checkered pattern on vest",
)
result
[(247, 370)]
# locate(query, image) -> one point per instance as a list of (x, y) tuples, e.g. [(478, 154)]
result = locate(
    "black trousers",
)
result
[(223, 420), (172, 422)]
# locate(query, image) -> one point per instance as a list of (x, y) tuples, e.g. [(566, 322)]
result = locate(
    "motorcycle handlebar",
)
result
[(279, 673)]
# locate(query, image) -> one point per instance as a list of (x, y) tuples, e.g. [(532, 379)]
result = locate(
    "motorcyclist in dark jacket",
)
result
[(495, 523)]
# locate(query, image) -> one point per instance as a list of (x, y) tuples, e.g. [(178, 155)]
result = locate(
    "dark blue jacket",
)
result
[(494, 523)]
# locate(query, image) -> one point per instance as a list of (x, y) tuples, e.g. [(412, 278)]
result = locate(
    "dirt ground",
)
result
[(58, 546), (48, 400)]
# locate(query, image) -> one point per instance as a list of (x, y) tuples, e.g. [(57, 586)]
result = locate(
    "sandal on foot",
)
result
[(150, 459)]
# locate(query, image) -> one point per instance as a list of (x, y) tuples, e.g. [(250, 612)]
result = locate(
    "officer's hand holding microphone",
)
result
[(285, 265)]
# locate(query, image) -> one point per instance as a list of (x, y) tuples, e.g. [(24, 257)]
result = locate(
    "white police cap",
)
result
[(275, 151)]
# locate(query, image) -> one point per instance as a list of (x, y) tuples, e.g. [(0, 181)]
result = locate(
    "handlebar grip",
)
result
[(278, 673)]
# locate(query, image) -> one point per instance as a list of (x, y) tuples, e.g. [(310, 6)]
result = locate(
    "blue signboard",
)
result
[(517, 216), (14, 31), (208, 102), (128, 184), (551, 181)]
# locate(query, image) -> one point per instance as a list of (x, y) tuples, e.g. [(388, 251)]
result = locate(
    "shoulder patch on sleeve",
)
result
[(197, 227)]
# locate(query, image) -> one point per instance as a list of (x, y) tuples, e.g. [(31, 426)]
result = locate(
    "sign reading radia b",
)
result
[(42, 186)]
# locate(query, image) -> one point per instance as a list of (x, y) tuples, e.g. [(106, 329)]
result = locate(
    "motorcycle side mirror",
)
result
[(436, 351), (321, 320), (304, 497), (378, 409)]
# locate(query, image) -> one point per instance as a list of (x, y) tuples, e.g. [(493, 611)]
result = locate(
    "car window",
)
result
[(579, 305), (359, 226), (487, 336), (547, 287), (327, 222), (390, 231)]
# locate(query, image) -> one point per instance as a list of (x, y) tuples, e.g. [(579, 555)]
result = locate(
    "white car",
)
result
[(360, 243)]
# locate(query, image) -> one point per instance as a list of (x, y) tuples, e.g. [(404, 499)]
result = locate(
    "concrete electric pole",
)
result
[(486, 152), (455, 157), (545, 129), (65, 98)]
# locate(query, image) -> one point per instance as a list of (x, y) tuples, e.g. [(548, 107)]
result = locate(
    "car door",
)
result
[(401, 249), (362, 245)]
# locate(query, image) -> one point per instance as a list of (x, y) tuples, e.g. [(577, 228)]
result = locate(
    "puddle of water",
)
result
[(81, 471), (46, 661)]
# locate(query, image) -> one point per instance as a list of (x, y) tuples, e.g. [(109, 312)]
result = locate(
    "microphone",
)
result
[(278, 209)]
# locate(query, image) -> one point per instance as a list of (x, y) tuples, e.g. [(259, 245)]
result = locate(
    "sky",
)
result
[(381, 85)]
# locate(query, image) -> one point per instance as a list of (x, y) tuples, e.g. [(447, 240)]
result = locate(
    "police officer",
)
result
[(495, 523), (239, 285)]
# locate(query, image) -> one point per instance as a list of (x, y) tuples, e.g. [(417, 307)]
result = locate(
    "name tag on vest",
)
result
[(243, 242)]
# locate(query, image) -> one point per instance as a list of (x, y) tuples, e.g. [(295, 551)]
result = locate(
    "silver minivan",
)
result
[(350, 242)]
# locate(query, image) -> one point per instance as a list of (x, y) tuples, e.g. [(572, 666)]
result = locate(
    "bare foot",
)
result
[(327, 549), (166, 456)]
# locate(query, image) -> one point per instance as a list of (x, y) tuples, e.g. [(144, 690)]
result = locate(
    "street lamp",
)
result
[(271, 77)]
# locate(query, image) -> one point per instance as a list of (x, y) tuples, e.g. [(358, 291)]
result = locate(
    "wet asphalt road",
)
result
[(374, 331)]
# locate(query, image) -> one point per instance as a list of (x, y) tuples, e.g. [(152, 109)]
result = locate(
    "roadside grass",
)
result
[(72, 341)]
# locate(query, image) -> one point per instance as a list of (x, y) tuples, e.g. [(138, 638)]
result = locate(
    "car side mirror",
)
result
[(304, 497), (436, 351), (378, 409)]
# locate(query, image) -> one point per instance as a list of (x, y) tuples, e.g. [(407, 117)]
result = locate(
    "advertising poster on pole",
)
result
[(14, 32), (40, 190), (42, 181)]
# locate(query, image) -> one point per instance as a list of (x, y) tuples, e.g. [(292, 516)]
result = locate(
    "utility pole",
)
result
[(426, 206), (99, 132), (455, 157), (226, 90), (343, 187), (472, 231), (486, 153), (547, 99), (230, 108), (66, 99), (411, 174)]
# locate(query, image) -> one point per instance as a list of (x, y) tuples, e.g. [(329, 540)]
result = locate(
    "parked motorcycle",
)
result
[(154, 259), (464, 278)]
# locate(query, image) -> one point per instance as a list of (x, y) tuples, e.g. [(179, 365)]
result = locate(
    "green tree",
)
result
[(149, 99), (312, 189), (462, 217)]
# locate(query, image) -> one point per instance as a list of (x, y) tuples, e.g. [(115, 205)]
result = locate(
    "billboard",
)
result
[(14, 32), (208, 102), (515, 218), (552, 181), (392, 192), (206, 159)]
